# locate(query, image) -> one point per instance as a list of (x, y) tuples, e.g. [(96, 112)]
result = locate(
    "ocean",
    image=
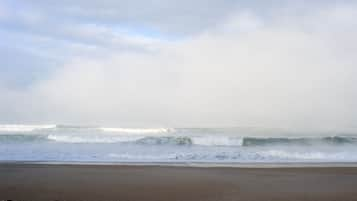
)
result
[(64, 143)]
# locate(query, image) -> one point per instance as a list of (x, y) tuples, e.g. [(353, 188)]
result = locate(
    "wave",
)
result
[(158, 136), (149, 139), (22, 128), (22, 138), (10, 128), (165, 141), (217, 141), (246, 141), (91, 138), (335, 140), (122, 139), (136, 130), (135, 139)]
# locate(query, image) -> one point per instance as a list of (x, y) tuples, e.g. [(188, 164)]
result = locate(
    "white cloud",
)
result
[(283, 70)]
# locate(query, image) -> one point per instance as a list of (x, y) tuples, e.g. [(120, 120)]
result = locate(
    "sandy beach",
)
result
[(162, 183)]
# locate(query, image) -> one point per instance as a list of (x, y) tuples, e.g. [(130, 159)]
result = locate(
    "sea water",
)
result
[(63, 143)]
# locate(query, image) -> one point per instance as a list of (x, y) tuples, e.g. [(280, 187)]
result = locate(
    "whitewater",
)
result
[(64, 143)]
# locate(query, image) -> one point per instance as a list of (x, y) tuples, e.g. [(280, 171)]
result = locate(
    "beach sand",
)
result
[(39, 182)]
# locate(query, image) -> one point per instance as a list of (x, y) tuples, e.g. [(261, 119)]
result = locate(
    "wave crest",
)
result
[(10, 128), (217, 141), (165, 141), (136, 130)]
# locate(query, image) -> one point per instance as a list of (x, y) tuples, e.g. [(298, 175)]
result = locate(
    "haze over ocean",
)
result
[(213, 81), (152, 100)]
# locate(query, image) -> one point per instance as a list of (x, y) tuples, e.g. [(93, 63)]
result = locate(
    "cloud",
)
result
[(171, 16), (277, 69)]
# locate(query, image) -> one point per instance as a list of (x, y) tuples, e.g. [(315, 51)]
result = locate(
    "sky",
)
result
[(179, 63)]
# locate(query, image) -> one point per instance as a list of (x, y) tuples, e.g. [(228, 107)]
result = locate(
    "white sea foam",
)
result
[(136, 130), (92, 138), (309, 155), (142, 157), (24, 128), (147, 138), (217, 141)]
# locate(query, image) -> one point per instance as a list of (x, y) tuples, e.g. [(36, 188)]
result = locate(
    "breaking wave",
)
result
[(217, 141), (91, 139), (11, 128), (205, 140), (158, 136), (226, 141), (136, 130), (91, 143)]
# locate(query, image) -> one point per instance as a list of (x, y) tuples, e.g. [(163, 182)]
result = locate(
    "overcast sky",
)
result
[(179, 63)]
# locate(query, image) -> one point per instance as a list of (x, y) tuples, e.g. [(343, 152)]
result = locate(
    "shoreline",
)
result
[(189, 164)]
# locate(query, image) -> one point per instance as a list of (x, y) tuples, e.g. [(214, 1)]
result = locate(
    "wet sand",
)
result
[(39, 182)]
